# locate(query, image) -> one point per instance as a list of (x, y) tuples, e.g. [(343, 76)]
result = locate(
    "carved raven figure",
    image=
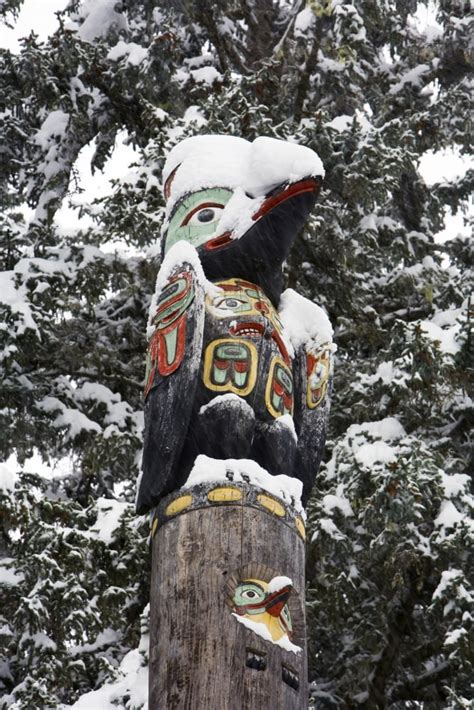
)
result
[(229, 374)]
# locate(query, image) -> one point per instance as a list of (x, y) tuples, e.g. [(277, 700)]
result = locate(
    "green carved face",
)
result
[(196, 218), (250, 593)]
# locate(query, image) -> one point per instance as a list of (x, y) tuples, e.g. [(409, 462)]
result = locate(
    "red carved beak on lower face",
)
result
[(276, 601)]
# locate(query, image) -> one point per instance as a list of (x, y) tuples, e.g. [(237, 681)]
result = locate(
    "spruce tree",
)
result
[(371, 90)]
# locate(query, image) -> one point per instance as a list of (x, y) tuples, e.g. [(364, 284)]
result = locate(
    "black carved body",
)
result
[(244, 356), (219, 373)]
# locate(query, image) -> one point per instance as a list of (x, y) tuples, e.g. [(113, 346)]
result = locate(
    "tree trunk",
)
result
[(207, 541)]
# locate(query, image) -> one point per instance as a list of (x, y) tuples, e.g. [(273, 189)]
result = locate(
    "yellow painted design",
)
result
[(241, 301), (224, 494), (179, 504), (272, 505), (230, 386), (274, 624), (154, 526), (268, 389), (300, 527), (318, 378)]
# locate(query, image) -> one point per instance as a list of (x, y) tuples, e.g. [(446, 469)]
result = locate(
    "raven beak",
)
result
[(276, 601)]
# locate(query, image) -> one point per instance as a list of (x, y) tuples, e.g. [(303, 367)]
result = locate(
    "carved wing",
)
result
[(173, 360), (313, 383)]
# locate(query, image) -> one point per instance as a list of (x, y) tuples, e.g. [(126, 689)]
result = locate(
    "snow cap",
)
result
[(209, 161)]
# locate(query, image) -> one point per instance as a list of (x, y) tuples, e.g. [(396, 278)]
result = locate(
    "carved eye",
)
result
[(203, 215), (249, 594), (230, 303)]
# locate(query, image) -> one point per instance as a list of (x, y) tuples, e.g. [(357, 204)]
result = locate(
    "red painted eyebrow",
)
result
[(196, 209)]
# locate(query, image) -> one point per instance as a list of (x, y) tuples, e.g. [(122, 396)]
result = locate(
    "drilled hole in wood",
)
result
[(290, 677), (256, 659)]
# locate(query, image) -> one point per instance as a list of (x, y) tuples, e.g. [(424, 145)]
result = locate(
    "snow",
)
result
[(262, 631), (445, 337), (54, 126), (223, 399), (227, 161), (237, 216), (39, 639), (73, 419), (368, 455), (448, 577), (414, 77), (286, 420), (108, 519), (208, 470), (278, 583), (9, 575), (330, 528), (104, 638), (454, 484), (134, 52), (131, 686), (14, 295), (388, 429), (453, 636), (8, 478), (338, 501), (273, 162), (304, 323), (304, 21), (99, 17), (448, 516), (206, 75)]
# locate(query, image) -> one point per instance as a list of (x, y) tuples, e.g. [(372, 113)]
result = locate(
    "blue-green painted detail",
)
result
[(194, 232)]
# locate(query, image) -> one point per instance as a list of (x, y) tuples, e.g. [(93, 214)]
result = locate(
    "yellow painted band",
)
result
[(300, 526), (271, 505), (179, 504), (224, 494), (154, 526)]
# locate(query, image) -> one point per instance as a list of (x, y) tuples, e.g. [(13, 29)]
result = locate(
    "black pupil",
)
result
[(206, 215), (250, 594)]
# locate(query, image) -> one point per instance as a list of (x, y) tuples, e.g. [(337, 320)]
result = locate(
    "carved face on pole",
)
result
[(253, 601)]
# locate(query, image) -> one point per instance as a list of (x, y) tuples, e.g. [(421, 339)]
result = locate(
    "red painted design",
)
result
[(298, 188), (158, 348), (281, 347), (218, 242), (200, 207), (168, 183), (166, 322)]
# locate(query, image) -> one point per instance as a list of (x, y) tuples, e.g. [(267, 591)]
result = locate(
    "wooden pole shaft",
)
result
[(201, 657)]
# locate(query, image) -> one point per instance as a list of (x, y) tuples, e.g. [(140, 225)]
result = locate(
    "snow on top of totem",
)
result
[(304, 323), (209, 470), (227, 161)]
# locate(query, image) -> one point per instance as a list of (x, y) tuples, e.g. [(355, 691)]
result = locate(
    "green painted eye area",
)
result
[(248, 594), (196, 217), (235, 305)]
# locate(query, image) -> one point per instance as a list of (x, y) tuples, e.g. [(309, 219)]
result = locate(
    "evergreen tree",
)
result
[(361, 83)]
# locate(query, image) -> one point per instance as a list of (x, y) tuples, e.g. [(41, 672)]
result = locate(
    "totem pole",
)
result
[(237, 399)]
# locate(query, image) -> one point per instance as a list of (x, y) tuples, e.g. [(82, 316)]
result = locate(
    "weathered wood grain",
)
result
[(198, 650)]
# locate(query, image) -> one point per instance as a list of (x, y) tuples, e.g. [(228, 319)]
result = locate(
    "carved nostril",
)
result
[(256, 660), (290, 677)]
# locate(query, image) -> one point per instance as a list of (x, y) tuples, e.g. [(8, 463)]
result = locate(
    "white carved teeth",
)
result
[(248, 331)]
